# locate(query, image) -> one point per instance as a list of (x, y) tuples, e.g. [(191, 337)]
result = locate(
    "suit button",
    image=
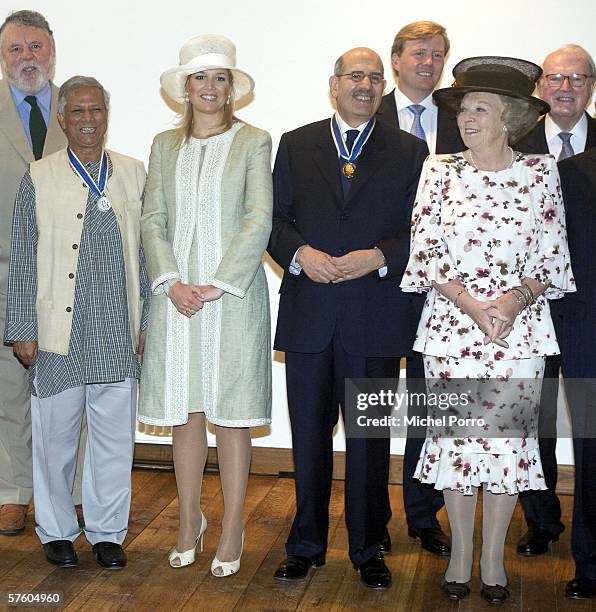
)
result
[(75, 246), (79, 215), (71, 275), (68, 309)]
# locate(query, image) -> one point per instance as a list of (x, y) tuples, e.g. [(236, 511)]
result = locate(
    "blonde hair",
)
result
[(185, 124), (418, 30)]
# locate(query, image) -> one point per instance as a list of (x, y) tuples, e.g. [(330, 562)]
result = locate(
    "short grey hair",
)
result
[(80, 81), (32, 19), (338, 67), (519, 116), (576, 50)]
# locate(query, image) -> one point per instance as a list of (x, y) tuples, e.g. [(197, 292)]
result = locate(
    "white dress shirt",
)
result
[(579, 135), (428, 119)]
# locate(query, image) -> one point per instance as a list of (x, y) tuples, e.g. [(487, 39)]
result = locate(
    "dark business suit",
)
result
[(354, 329), (577, 340), (542, 508), (421, 502)]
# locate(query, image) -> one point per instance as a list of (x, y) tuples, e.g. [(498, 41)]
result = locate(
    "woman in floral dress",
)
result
[(489, 246)]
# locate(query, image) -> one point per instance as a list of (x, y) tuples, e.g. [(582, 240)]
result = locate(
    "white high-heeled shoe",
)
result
[(188, 556), (227, 567)]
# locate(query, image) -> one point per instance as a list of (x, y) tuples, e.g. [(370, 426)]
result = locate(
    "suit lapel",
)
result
[(591, 139), (55, 138), (326, 159), (10, 123), (388, 109), (369, 162)]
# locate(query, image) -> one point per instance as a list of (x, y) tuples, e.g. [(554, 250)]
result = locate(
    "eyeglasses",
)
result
[(575, 80), (357, 76)]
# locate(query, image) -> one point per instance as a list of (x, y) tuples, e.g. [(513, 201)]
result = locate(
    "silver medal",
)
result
[(103, 204)]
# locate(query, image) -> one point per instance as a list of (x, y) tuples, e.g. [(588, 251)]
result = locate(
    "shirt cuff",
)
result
[(20, 331), (295, 268), (383, 271)]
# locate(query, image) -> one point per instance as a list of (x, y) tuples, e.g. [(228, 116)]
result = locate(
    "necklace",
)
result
[(473, 162)]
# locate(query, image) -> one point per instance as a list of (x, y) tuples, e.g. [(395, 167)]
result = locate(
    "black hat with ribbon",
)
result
[(507, 76)]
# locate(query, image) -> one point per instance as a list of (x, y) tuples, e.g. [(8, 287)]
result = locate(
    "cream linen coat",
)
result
[(226, 366)]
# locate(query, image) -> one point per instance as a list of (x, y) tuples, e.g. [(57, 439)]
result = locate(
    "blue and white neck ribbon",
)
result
[(349, 167), (98, 188)]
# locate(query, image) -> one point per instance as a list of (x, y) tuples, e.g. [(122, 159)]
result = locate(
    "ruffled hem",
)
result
[(427, 265), (505, 473)]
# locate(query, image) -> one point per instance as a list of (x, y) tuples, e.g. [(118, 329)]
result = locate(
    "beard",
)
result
[(29, 82)]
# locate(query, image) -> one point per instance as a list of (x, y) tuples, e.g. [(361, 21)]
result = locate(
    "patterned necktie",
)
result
[(37, 127), (351, 136), (417, 110), (567, 149)]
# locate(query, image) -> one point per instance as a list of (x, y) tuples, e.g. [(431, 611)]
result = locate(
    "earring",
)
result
[(186, 98), (229, 100), (504, 128)]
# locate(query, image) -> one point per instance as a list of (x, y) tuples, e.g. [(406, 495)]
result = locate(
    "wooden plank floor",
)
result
[(148, 583)]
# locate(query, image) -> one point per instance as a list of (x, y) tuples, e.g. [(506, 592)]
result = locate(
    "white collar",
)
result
[(552, 130), (402, 101), (344, 127)]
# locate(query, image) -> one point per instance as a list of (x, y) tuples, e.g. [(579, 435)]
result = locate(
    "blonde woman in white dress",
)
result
[(205, 225)]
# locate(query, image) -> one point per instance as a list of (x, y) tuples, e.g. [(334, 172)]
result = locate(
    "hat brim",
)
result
[(451, 97), (173, 81)]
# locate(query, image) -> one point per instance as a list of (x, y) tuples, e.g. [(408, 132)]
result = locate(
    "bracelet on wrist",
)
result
[(457, 297)]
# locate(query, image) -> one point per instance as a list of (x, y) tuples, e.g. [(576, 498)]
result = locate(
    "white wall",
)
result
[(289, 48)]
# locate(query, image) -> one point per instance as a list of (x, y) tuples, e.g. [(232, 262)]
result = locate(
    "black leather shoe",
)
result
[(385, 545), (294, 567), (109, 555), (581, 588), (374, 574), (494, 594), (456, 590), (432, 539), (61, 553), (535, 542)]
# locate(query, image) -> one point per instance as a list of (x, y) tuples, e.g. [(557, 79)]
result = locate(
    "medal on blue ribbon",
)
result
[(98, 188), (349, 166)]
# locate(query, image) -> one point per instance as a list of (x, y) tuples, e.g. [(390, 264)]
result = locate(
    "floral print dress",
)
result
[(489, 230)]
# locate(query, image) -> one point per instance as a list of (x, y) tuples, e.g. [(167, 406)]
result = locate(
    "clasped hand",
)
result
[(189, 299), (323, 268), (494, 317)]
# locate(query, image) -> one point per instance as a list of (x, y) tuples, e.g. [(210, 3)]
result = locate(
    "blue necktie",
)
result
[(417, 110), (351, 136), (567, 149)]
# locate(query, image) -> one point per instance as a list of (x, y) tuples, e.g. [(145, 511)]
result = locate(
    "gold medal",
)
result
[(349, 169)]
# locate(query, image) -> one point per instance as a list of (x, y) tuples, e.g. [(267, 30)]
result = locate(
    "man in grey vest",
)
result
[(78, 297), (28, 130)]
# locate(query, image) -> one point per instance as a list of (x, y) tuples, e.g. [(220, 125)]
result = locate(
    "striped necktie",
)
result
[(417, 110)]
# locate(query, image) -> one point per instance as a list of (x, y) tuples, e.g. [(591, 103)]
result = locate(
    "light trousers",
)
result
[(110, 409)]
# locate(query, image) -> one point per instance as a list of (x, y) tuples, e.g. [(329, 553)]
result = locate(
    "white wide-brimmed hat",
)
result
[(205, 52)]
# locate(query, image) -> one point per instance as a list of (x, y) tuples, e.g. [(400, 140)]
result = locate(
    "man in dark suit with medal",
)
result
[(417, 58), (343, 192), (566, 84)]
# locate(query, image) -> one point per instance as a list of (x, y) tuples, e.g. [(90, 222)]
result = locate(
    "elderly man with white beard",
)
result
[(28, 130)]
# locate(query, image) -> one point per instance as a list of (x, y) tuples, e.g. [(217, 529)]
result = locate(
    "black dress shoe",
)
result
[(535, 542), (109, 555), (581, 588), (61, 553), (494, 594), (432, 539), (456, 590), (385, 545), (294, 567), (374, 574)]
